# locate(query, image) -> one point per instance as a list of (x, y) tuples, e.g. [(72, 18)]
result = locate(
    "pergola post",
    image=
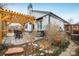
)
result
[(33, 33), (0, 29)]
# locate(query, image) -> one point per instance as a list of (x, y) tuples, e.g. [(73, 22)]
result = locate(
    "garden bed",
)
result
[(56, 49)]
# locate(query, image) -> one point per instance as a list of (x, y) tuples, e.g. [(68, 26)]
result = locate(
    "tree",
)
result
[(2, 5), (70, 20)]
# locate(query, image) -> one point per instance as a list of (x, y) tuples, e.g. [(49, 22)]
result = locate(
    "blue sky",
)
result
[(64, 10)]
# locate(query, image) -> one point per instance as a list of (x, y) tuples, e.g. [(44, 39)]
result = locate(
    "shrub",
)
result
[(56, 52), (64, 44), (2, 47), (53, 33)]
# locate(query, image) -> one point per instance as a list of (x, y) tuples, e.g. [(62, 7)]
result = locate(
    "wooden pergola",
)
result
[(8, 17)]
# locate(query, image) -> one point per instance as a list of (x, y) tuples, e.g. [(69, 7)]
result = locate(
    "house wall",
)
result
[(57, 22), (37, 14), (45, 20), (53, 21)]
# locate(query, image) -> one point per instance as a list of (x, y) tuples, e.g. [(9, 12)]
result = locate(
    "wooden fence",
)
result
[(72, 28)]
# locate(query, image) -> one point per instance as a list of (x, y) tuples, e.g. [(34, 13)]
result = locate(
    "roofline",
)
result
[(60, 18), (50, 13), (41, 11)]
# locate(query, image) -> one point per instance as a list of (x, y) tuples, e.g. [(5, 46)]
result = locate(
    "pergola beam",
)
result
[(13, 17)]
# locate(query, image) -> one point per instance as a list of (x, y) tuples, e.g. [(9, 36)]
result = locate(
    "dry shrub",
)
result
[(53, 34)]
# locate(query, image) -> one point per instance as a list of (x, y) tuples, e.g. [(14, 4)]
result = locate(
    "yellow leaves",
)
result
[(43, 44)]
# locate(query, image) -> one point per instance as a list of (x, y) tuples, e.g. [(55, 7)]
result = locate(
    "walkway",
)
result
[(70, 50)]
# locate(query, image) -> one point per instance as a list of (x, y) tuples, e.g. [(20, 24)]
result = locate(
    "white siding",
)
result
[(57, 22), (37, 14), (45, 22), (36, 27)]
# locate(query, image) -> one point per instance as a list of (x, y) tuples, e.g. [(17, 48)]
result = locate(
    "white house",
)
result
[(43, 18)]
